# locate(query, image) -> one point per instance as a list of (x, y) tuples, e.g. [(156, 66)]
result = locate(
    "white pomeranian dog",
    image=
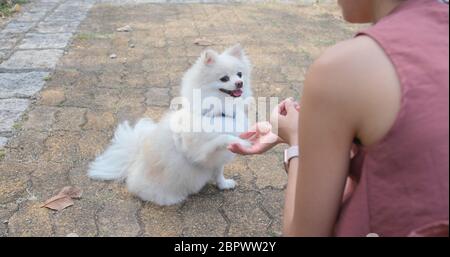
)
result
[(167, 161)]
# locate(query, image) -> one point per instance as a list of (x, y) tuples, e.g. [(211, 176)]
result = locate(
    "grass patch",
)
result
[(2, 154), (8, 7), (17, 126)]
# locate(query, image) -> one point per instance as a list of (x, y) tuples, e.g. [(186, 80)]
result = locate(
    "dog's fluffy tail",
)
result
[(113, 164)]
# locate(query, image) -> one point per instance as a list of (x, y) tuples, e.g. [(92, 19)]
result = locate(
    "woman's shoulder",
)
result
[(345, 54), (358, 78), (349, 67)]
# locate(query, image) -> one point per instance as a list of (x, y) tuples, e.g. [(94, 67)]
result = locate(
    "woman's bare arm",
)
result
[(351, 91)]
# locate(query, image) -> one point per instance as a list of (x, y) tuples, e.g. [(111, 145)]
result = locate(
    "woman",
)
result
[(387, 91)]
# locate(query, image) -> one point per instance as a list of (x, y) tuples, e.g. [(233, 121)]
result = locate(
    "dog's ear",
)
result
[(236, 51), (209, 57)]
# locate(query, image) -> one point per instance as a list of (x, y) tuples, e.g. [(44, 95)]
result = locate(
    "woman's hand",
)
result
[(262, 136), (287, 117)]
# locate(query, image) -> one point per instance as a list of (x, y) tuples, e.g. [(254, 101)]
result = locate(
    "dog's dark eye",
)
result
[(239, 74), (225, 79)]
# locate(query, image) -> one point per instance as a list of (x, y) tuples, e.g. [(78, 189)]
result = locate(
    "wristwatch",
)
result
[(291, 152)]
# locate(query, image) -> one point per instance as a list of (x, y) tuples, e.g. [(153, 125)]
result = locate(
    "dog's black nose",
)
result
[(239, 84)]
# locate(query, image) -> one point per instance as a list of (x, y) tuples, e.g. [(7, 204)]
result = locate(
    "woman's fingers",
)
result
[(240, 149), (282, 106), (291, 105)]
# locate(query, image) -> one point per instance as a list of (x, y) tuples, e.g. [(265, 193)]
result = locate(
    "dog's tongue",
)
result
[(236, 93)]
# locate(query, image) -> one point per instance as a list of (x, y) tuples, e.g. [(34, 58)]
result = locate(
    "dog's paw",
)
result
[(226, 184), (237, 140), (244, 143)]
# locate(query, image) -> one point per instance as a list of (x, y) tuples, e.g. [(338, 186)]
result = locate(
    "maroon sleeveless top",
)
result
[(402, 182)]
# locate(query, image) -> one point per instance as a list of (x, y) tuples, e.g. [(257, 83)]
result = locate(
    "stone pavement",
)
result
[(30, 47), (73, 95)]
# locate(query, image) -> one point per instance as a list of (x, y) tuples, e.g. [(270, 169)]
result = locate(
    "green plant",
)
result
[(8, 7), (17, 126), (2, 153)]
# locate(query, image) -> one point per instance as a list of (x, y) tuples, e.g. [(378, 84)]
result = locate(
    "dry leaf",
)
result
[(59, 203), (16, 8), (203, 42), (63, 199)]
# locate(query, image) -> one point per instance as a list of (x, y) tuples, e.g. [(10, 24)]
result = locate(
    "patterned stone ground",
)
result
[(73, 117), (30, 46)]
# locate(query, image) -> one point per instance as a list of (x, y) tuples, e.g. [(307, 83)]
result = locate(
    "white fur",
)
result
[(165, 166)]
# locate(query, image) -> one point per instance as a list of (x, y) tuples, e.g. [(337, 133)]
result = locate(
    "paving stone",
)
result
[(92, 189), (8, 40), (10, 111), (66, 15), (155, 113), (14, 178), (118, 215), (268, 171), (69, 119), (36, 40), (3, 55), (273, 202), (106, 99), (157, 97), (57, 26), (32, 59), (202, 216), (78, 219), (161, 220), (99, 120), (40, 118), (21, 84), (50, 1), (27, 146), (61, 146), (52, 97), (246, 217), (130, 114), (49, 178), (240, 172), (35, 14), (92, 143), (3, 141), (131, 98), (6, 211), (30, 221), (18, 27)]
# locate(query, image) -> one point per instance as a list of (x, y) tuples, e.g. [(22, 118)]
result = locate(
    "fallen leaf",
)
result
[(16, 8), (203, 42), (63, 199), (126, 28), (58, 204)]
